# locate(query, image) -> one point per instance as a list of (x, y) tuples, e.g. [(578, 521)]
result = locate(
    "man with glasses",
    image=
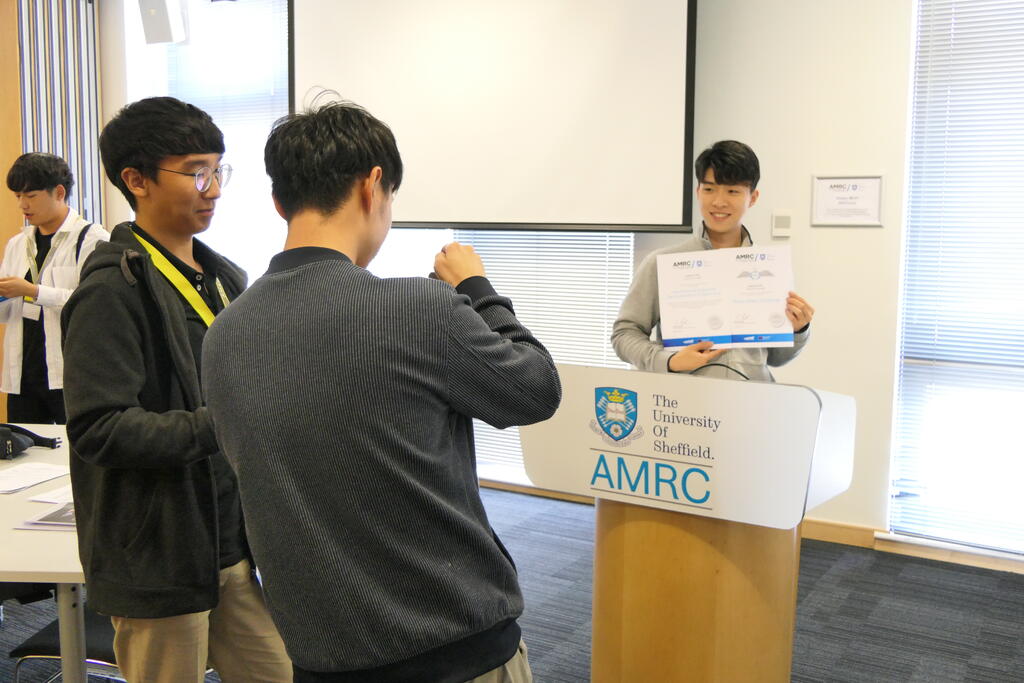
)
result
[(160, 527)]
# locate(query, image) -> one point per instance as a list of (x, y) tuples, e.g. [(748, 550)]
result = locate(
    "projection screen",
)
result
[(530, 114)]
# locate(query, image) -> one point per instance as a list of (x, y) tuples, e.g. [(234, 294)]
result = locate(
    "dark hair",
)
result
[(315, 158), (40, 171), (145, 132), (733, 163)]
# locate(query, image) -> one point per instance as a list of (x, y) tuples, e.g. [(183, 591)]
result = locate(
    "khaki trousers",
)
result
[(237, 638), (515, 670)]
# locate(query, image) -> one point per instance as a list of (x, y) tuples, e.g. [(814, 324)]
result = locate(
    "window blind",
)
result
[(60, 88), (566, 287), (958, 459)]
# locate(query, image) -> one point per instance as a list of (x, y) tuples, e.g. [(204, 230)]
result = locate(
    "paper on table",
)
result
[(26, 474), (61, 495), (32, 526), (732, 297), (57, 516)]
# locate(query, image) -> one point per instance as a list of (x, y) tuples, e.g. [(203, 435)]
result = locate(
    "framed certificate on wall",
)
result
[(846, 201)]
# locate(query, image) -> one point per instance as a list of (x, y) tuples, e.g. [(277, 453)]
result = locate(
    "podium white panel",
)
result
[(737, 451), (832, 469)]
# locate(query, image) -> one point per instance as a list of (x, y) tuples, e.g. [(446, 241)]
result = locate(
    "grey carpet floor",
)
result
[(861, 615)]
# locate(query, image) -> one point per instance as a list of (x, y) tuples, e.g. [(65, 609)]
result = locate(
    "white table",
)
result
[(46, 556)]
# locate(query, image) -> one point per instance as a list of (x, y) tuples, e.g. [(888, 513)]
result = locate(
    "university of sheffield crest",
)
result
[(616, 411)]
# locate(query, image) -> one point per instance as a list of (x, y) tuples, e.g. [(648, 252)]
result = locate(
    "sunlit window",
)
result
[(234, 66), (958, 460)]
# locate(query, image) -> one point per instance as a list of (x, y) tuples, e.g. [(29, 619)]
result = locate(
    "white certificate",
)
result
[(846, 201), (732, 297)]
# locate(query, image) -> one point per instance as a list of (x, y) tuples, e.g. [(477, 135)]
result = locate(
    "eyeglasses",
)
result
[(204, 176)]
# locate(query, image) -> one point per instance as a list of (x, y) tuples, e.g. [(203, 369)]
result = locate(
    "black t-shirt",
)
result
[(229, 505), (33, 343)]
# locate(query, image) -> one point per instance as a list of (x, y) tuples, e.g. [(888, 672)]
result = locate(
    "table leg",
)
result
[(72, 631)]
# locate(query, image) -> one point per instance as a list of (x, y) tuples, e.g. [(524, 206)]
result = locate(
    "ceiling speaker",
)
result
[(163, 21)]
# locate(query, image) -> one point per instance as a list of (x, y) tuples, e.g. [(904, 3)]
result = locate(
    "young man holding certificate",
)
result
[(727, 177), (160, 529)]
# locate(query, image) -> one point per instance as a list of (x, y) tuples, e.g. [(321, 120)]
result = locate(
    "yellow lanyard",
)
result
[(33, 269), (183, 286)]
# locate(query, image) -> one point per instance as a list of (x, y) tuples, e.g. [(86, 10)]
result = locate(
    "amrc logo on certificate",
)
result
[(616, 410)]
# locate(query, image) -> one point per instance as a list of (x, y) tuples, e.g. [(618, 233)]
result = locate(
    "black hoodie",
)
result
[(141, 438)]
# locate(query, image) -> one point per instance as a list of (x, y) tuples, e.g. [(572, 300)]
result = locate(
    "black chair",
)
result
[(23, 593), (99, 647)]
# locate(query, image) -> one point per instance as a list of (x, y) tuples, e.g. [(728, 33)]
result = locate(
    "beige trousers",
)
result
[(515, 670), (237, 638)]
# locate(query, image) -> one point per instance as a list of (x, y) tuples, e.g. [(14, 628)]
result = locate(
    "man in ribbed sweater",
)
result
[(344, 402)]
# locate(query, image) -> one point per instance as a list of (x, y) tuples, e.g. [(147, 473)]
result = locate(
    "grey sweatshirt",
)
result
[(344, 402), (640, 314)]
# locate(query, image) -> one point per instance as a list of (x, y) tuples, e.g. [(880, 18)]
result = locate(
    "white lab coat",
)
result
[(57, 280)]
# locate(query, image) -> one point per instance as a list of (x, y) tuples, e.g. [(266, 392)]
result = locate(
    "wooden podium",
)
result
[(701, 485)]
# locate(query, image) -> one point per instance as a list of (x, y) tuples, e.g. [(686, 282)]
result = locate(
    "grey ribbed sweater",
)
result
[(344, 402)]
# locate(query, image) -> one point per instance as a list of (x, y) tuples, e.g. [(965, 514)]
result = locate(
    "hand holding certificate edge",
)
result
[(693, 356), (798, 311)]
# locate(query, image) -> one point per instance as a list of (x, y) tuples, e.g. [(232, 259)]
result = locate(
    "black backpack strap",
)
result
[(37, 440), (81, 239)]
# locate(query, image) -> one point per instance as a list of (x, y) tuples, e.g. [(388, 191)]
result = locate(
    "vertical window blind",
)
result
[(59, 99), (566, 287), (958, 460)]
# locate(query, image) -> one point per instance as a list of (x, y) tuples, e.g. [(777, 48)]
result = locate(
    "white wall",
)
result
[(822, 87), (113, 94)]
